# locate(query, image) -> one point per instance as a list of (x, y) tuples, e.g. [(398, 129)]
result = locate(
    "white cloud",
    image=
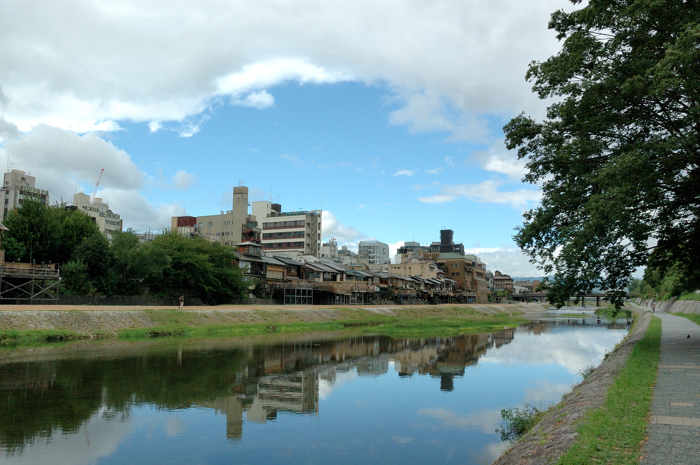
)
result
[(59, 158), (500, 160), (486, 421), (343, 233), (404, 173), (155, 126), (485, 192), (508, 260), (259, 100), (168, 64), (182, 180), (437, 170), (419, 186)]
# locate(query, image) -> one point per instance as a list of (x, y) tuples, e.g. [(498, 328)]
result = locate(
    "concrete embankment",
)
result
[(672, 306), (105, 320), (556, 432)]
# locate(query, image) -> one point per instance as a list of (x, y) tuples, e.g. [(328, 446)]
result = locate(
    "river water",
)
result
[(288, 399)]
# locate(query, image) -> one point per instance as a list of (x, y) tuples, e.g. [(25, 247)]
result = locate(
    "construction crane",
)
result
[(97, 184)]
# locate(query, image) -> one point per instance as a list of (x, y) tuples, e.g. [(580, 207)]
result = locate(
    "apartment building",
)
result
[(502, 282), (288, 233), (422, 268), (228, 227), (18, 186), (377, 252), (107, 221)]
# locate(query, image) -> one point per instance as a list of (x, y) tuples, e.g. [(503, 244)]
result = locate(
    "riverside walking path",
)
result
[(674, 427)]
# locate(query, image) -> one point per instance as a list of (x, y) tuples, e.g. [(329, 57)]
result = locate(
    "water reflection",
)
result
[(374, 390)]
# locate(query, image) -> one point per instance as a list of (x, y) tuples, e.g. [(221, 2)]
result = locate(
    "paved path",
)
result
[(674, 427)]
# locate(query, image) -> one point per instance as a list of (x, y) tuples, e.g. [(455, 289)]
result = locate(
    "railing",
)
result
[(28, 270), (338, 287)]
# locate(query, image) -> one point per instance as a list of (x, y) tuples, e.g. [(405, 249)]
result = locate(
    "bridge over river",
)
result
[(542, 296)]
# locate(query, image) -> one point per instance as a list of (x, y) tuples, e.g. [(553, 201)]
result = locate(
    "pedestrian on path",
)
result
[(182, 301), (653, 307)]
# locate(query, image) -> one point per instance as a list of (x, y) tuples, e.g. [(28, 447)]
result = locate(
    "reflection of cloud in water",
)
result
[(99, 437), (326, 387), (400, 440), (486, 421), (546, 392), (572, 349), (174, 426), (491, 452)]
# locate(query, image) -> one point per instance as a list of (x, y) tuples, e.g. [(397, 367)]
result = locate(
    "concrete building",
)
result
[(502, 282), (377, 252), (18, 186), (410, 250), (330, 249), (422, 268), (288, 233), (446, 244), (232, 226), (107, 221), (229, 227)]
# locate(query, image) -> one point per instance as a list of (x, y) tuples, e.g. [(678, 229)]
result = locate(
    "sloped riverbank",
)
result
[(66, 323)]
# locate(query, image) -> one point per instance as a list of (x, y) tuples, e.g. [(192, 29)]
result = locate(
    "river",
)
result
[(288, 399)]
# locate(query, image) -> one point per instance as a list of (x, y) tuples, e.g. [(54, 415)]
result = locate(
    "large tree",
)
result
[(617, 155)]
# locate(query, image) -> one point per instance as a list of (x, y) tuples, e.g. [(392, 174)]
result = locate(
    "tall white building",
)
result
[(377, 252), (18, 186), (288, 233), (107, 221)]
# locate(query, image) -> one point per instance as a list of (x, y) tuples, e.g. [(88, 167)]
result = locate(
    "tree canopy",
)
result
[(617, 155)]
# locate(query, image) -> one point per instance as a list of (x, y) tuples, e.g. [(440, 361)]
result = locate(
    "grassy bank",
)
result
[(694, 317), (409, 322), (615, 432)]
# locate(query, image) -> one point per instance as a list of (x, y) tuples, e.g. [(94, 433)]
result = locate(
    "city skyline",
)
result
[(389, 123)]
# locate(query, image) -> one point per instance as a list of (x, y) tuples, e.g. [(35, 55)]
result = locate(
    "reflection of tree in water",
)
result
[(38, 399)]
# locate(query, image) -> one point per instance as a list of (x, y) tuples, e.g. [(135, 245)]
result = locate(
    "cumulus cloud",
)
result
[(59, 158), (84, 65), (485, 192), (259, 100), (500, 160), (182, 180), (508, 260), (8, 130), (437, 170), (343, 233)]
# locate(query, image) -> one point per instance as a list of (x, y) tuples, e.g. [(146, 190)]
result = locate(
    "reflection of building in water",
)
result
[(232, 408), (373, 366), (448, 358), (294, 392)]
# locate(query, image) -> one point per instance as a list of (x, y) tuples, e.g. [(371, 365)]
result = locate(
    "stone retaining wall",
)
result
[(673, 306)]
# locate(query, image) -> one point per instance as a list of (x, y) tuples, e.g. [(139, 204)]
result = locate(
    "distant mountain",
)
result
[(530, 278)]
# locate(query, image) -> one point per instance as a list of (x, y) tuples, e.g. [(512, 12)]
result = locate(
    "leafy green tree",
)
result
[(75, 278), (46, 234), (94, 252), (618, 156), (197, 267)]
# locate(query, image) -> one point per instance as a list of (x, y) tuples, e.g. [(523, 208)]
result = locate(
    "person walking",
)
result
[(653, 307), (182, 301)]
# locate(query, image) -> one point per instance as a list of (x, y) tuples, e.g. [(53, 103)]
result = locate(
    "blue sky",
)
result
[(386, 115)]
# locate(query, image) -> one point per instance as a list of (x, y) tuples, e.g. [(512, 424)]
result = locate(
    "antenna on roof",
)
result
[(240, 182)]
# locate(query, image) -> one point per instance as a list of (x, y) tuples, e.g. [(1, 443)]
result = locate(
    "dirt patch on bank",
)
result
[(101, 320), (556, 433)]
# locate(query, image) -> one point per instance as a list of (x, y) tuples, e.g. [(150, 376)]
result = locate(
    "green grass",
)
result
[(692, 296), (32, 338), (610, 312), (614, 433), (379, 325), (694, 317)]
